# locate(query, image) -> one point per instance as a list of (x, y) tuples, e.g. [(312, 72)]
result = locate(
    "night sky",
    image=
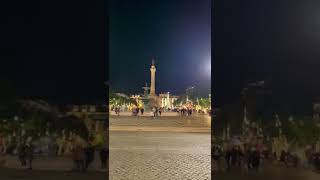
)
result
[(177, 33), (277, 41), (55, 50)]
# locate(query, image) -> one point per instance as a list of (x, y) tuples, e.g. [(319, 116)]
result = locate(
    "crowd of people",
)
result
[(84, 156), (158, 111), (186, 111), (26, 149), (241, 154)]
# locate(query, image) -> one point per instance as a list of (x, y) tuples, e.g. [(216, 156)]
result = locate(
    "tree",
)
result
[(204, 102), (72, 124)]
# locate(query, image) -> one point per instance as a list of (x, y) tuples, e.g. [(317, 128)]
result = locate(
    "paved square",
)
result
[(159, 156)]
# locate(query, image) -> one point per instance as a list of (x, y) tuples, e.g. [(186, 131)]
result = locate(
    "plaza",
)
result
[(161, 148)]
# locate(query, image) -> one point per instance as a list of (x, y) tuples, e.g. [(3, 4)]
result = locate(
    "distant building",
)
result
[(94, 116), (135, 96), (167, 101)]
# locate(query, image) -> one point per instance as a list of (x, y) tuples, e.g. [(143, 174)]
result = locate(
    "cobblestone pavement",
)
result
[(159, 156), (14, 174)]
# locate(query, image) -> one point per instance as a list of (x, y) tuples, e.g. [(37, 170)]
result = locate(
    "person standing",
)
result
[(78, 157), (228, 158), (29, 154), (104, 157), (89, 155), (22, 153), (133, 111), (154, 112), (255, 159)]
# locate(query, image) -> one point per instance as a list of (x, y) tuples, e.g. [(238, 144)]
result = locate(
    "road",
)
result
[(159, 156)]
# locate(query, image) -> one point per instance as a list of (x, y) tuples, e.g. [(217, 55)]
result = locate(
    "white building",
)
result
[(167, 101)]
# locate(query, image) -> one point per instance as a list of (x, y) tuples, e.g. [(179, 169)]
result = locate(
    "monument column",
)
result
[(153, 79)]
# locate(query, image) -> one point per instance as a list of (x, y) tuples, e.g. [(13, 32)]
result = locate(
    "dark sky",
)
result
[(273, 40), (55, 50), (177, 33)]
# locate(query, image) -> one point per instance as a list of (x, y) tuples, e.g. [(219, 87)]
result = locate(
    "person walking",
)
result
[(160, 111), (29, 154), (89, 154), (154, 111), (255, 159), (78, 157), (22, 154), (104, 157)]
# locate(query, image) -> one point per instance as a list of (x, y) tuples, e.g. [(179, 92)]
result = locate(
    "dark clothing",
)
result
[(317, 161), (78, 157), (104, 157), (22, 154), (29, 155), (228, 159), (254, 160), (89, 153), (236, 157)]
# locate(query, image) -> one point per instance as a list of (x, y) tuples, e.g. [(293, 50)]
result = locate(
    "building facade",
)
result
[(167, 101)]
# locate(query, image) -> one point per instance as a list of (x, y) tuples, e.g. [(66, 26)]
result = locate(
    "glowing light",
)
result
[(207, 66)]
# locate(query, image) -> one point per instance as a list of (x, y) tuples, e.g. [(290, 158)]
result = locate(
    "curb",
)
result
[(159, 129)]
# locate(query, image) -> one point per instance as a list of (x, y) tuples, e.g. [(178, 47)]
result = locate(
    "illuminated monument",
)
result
[(151, 99), (153, 79)]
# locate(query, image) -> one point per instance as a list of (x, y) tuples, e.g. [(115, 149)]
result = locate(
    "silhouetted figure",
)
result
[(89, 155), (255, 161), (22, 154), (316, 161), (104, 157), (228, 159), (78, 157), (29, 155), (154, 110)]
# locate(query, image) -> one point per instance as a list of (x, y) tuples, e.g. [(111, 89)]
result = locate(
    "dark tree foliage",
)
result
[(71, 124)]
